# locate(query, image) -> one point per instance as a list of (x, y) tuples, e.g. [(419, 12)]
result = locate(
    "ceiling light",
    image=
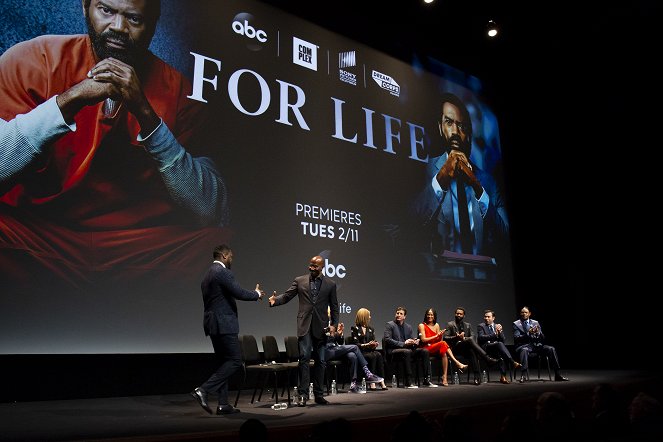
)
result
[(492, 29)]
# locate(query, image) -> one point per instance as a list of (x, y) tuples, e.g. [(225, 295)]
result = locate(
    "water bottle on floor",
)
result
[(456, 378), (334, 389), (363, 385), (280, 406), (295, 393), (394, 383), (310, 392), (484, 377)]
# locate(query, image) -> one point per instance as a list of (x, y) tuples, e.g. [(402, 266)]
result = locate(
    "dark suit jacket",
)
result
[(451, 331), (220, 289), (484, 336), (393, 338), (522, 337), (312, 316), (359, 337)]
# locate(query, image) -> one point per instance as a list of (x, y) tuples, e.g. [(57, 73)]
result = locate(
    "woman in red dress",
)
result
[(430, 338)]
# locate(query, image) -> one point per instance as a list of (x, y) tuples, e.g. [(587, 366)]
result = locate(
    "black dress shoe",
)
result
[(560, 378), (301, 401), (226, 409), (321, 401), (200, 396)]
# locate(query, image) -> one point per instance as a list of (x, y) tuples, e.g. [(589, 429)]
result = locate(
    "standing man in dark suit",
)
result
[(220, 289), (401, 341), (316, 293), (458, 335), (491, 339), (528, 337)]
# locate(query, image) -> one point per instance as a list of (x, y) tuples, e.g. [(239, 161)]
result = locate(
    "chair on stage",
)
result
[(292, 354), (252, 363), (272, 353), (539, 358)]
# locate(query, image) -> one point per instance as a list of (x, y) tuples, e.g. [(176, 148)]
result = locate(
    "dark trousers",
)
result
[(375, 362), (542, 350), (229, 355), (311, 346), (499, 350), (471, 350), (413, 355), (353, 354)]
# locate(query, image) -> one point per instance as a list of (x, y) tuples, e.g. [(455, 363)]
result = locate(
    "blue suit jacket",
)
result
[(484, 335), (494, 226), (521, 337), (220, 289)]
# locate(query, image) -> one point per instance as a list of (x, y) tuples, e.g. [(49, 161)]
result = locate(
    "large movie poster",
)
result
[(273, 135)]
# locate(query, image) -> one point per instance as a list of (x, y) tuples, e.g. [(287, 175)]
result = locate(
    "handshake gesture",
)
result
[(261, 293)]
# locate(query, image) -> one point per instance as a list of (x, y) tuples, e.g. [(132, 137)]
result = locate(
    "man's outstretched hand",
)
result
[(260, 292)]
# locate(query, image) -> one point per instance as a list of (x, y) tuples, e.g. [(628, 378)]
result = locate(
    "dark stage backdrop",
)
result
[(323, 144)]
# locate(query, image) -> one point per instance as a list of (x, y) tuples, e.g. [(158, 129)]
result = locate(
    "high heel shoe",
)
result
[(444, 381), (461, 367), (516, 365)]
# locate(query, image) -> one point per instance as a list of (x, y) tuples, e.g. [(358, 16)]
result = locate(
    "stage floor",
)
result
[(179, 417)]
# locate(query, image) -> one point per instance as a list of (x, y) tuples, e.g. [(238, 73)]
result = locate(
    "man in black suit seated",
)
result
[(458, 335), (401, 341)]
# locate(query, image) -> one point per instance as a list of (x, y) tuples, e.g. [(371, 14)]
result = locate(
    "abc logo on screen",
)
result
[(245, 25)]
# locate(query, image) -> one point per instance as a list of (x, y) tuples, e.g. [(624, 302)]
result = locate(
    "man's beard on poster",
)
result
[(130, 54), (462, 146)]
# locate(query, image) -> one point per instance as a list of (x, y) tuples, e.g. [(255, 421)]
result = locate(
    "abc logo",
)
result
[(242, 25), (331, 270)]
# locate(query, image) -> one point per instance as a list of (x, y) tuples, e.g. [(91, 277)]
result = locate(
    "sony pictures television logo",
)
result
[(387, 83), (304, 53), (347, 60), (244, 24)]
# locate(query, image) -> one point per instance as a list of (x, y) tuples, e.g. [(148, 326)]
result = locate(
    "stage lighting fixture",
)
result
[(492, 29)]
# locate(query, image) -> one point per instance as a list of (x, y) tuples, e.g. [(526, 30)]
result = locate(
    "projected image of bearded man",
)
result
[(460, 208), (103, 166)]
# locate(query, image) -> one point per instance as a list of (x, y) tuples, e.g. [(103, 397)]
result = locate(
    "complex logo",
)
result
[(242, 25), (347, 60), (387, 83), (304, 53)]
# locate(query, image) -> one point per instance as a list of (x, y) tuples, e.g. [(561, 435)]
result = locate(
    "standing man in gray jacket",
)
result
[(317, 293)]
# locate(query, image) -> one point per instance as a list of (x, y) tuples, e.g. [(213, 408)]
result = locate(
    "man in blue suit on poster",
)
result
[(460, 208)]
